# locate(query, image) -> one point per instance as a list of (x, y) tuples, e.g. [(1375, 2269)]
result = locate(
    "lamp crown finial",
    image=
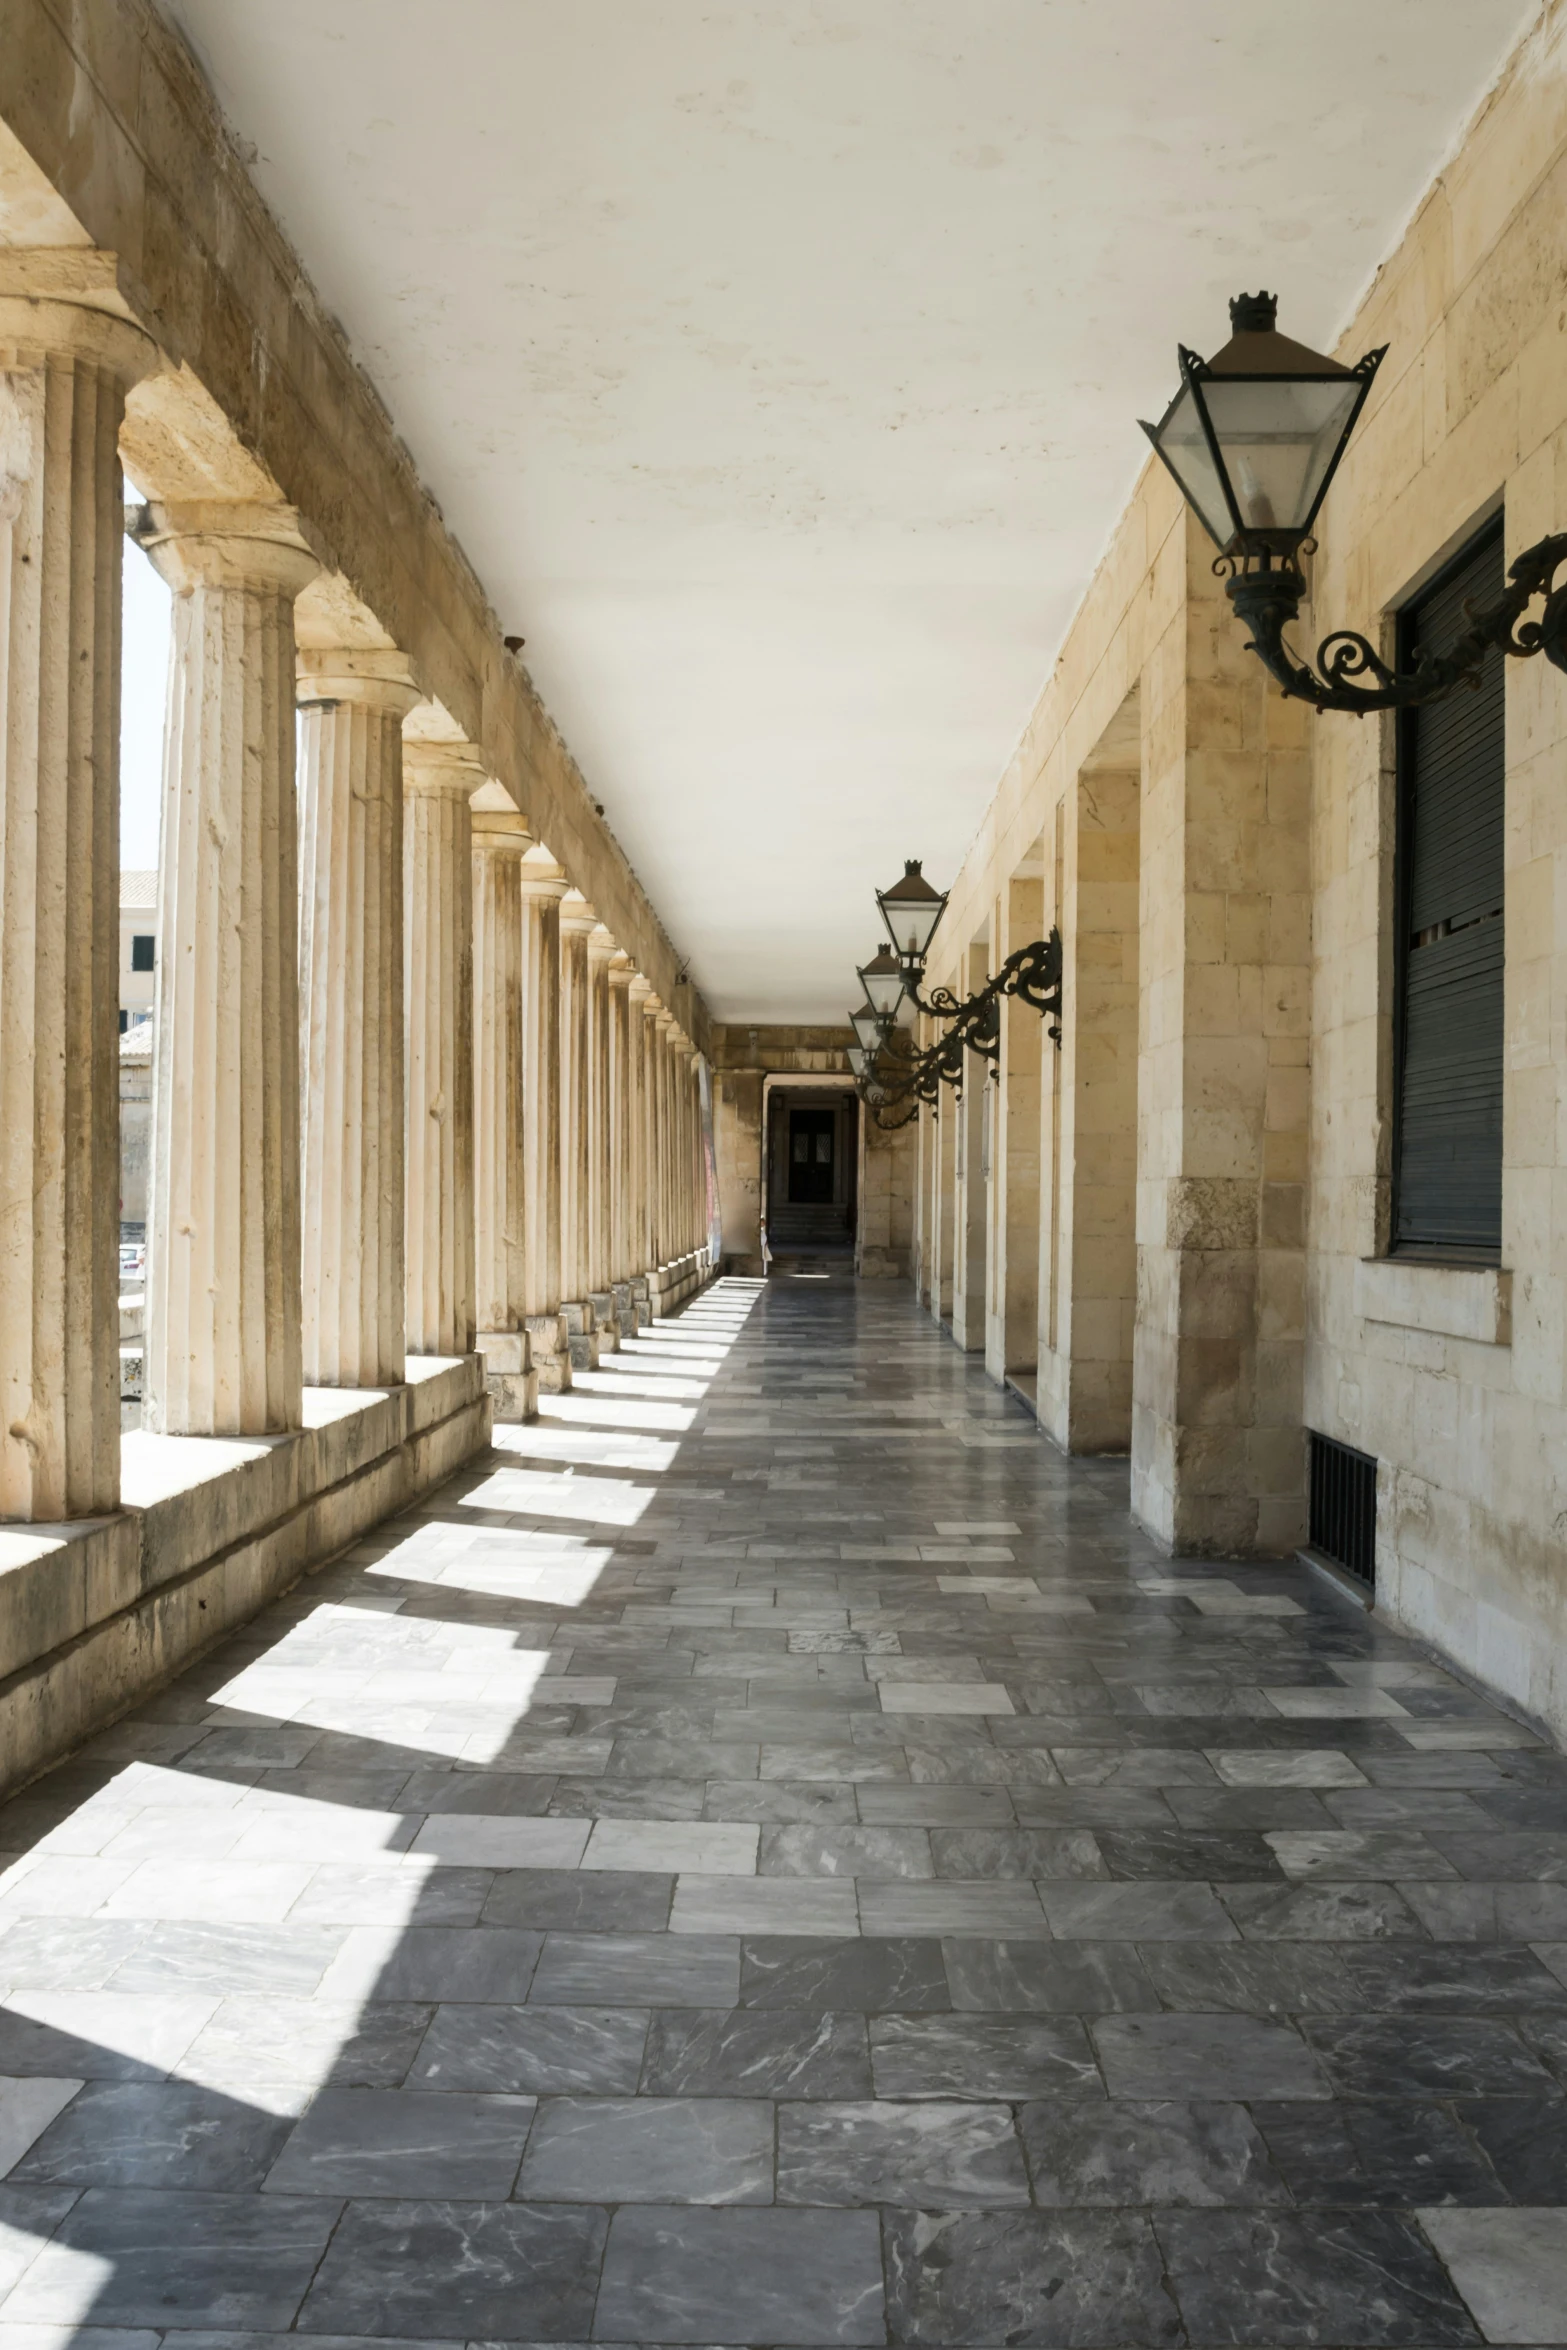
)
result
[(911, 866), (1254, 314)]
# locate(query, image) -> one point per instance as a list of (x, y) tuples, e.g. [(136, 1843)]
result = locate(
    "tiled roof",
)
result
[(138, 889), (136, 1042)]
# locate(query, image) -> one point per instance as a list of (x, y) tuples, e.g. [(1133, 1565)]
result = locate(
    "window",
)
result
[(125, 1019), (1447, 1186), (141, 950)]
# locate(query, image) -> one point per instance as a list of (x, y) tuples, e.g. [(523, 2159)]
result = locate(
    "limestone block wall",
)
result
[(1455, 1380), (1258, 1088)]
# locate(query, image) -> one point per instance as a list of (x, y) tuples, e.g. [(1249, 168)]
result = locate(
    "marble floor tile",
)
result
[(766, 1905), (448, 2269), (1389, 2151), (658, 1970), (650, 2149), (865, 1977), (1205, 2056), (877, 1852), (928, 2154), (504, 1841), (578, 1900), (1041, 2280), (1510, 2267), (407, 2143), (539, 2051), (1071, 1978), (149, 2257), (1012, 2057), (737, 2276), (1271, 2278), (757, 2052), (1125, 2152)]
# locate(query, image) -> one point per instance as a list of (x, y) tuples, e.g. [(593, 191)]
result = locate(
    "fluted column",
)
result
[(621, 1265), (663, 1029), (352, 705), (542, 886), (500, 843), (438, 778), (652, 1133), (223, 1341), (577, 922), (64, 374), (601, 946), (639, 1258)]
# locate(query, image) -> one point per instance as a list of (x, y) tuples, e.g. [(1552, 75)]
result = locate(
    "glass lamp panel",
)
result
[(1280, 437), (857, 1059), (911, 910), (1182, 443), (883, 982), (867, 1026)]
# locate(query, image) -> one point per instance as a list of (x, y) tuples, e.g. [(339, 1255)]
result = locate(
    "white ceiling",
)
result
[(776, 362)]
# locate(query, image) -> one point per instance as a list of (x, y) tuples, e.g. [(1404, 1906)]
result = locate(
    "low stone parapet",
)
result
[(96, 1612), (669, 1286)]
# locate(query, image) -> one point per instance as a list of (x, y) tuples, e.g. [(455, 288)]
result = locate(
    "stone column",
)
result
[(638, 996), (223, 1343), (664, 1095), (352, 705), (500, 843), (438, 778), (64, 374), (542, 885), (577, 922), (601, 947), (621, 1263)]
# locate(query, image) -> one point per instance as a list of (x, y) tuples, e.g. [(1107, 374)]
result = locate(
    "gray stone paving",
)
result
[(772, 1856)]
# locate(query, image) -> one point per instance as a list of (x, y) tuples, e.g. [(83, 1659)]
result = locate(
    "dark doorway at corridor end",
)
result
[(812, 1163)]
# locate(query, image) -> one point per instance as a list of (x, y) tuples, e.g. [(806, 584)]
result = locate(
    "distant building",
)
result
[(138, 945)]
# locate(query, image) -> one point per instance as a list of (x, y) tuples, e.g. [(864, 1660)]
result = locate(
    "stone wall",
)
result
[(743, 1058), (1261, 842)]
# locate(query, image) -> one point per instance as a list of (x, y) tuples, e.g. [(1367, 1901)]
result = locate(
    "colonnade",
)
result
[(410, 1095)]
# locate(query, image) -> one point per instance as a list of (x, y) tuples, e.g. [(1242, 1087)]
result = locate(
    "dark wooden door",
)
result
[(811, 1166)]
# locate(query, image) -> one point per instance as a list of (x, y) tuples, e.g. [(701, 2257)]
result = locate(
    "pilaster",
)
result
[(223, 1338), (65, 369), (352, 704), (438, 778)]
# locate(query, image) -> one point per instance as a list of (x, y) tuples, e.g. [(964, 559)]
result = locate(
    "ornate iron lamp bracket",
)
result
[(1033, 974), (1267, 596)]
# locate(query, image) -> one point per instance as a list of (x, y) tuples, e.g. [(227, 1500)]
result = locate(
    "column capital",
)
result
[(500, 834), (601, 946), (346, 673), (226, 542), (641, 989), (541, 876), (620, 969), (652, 1010), (577, 918), (65, 302), (444, 769)]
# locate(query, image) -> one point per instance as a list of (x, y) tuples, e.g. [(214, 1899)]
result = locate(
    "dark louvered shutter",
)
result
[(1448, 1181)]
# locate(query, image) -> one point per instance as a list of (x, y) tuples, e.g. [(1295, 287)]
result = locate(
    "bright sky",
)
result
[(144, 677)]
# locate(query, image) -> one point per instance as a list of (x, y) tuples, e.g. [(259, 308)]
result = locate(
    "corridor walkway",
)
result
[(770, 1856)]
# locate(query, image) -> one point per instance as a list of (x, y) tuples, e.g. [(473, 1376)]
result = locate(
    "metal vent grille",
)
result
[(1344, 1506)]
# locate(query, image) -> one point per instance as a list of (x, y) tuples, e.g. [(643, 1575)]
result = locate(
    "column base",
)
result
[(581, 1333), (510, 1380), (550, 1352), (625, 1296), (606, 1321)]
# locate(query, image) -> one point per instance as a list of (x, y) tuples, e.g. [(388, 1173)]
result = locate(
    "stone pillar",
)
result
[(638, 995), (438, 779), (577, 922), (352, 705), (223, 1341), (663, 1234), (64, 374), (622, 1265), (601, 947), (1218, 1452), (500, 843), (542, 885)]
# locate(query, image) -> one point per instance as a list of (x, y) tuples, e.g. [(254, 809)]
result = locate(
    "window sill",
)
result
[(1447, 1301)]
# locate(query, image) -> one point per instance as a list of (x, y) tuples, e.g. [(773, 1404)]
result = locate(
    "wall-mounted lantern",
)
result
[(1254, 437)]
